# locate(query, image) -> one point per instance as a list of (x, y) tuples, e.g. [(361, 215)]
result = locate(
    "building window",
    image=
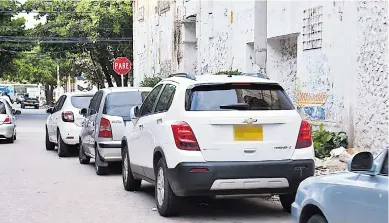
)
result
[(163, 6), (312, 28)]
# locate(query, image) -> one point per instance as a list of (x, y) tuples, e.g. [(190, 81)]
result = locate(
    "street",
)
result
[(37, 186)]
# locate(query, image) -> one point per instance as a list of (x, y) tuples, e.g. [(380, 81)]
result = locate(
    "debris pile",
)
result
[(336, 162)]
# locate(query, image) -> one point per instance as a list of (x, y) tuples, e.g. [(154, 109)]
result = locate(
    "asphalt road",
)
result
[(37, 186)]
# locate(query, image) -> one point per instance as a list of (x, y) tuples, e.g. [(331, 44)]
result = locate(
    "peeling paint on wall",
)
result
[(371, 118), (282, 65)]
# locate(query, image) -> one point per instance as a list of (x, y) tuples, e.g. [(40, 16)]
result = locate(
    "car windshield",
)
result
[(120, 103), (239, 96), (81, 101)]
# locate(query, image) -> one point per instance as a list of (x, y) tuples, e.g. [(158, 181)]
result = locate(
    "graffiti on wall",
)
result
[(311, 99), (312, 104)]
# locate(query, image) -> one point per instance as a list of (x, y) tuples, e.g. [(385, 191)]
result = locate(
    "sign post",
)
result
[(122, 66)]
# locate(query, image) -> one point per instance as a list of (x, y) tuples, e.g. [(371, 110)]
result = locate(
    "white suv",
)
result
[(63, 125), (217, 135)]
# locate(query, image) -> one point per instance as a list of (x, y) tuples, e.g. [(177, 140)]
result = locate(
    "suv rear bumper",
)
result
[(234, 178), (110, 151)]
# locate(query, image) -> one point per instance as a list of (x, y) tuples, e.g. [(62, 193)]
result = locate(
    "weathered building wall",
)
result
[(153, 39), (225, 39), (193, 36), (342, 82), (330, 56), (371, 99)]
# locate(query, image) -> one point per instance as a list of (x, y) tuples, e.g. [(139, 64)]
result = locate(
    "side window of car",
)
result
[(148, 104), (166, 98), (60, 105), (56, 105), (98, 102), (95, 103), (384, 170), (92, 101)]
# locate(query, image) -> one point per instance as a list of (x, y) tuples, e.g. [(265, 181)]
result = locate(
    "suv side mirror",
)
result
[(134, 112), (49, 111), (361, 162), (83, 111)]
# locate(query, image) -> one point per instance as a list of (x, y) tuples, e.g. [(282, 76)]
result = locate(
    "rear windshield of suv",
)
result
[(120, 103), (81, 101), (239, 96)]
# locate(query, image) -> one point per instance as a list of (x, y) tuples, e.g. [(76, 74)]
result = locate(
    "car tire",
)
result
[(287, 200), (82, 157), (100, 170), (317, 219), (63, 149), (10, 140), (49, 145), (167, 202), (129, 181)]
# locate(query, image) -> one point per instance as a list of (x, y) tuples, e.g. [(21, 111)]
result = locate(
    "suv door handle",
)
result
[(140, 127), (159, 121)]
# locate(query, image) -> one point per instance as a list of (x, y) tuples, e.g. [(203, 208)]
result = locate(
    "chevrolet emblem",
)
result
[(250, 121)]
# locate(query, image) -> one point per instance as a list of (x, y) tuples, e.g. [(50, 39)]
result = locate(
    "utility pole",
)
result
[(58, 83)]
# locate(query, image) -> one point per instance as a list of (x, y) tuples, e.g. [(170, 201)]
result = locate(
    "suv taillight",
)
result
[(67, 116), (304, 139), (7, 120), (105, 130), (184, 137)]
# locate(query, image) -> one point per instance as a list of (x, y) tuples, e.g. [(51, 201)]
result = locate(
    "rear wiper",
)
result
[(238, 106)]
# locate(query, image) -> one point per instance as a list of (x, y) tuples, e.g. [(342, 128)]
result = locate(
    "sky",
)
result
[(30, 21)]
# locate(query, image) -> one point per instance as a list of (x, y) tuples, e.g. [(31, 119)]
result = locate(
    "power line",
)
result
[(45, 12), (13, 29), (21, 39)]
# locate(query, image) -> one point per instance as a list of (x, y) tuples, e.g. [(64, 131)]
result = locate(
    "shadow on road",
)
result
[(3, 141), (206, 208)]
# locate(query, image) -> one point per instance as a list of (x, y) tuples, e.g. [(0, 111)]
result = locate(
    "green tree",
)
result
[(100, 29), (9, 28), (36, 68), (150, 81)]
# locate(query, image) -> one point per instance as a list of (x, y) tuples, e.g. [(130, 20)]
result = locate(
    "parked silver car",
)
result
[(102, 129), (7, 121), (358, 196)]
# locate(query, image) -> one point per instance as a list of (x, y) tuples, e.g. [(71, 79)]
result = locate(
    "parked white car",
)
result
[(63, 125), (217, 135), (105, 118), (7, 121)]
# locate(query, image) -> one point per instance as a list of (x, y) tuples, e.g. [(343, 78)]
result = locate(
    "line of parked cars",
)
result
[(8, 121), (212, 135)]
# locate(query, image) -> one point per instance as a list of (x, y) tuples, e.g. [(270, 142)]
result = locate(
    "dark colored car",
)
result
[(32, 102)]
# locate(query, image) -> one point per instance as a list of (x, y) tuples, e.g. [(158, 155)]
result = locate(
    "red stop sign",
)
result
[(121, 65)]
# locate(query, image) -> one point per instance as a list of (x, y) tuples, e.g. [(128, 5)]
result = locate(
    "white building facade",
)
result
[(330, 56)]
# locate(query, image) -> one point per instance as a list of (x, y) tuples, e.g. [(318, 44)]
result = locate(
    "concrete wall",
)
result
[(193, 36), (349, 71), (343, 83), (370, 102)]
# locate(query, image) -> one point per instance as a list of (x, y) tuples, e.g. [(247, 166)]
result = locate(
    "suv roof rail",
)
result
[(185, 75), (259, 75)]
